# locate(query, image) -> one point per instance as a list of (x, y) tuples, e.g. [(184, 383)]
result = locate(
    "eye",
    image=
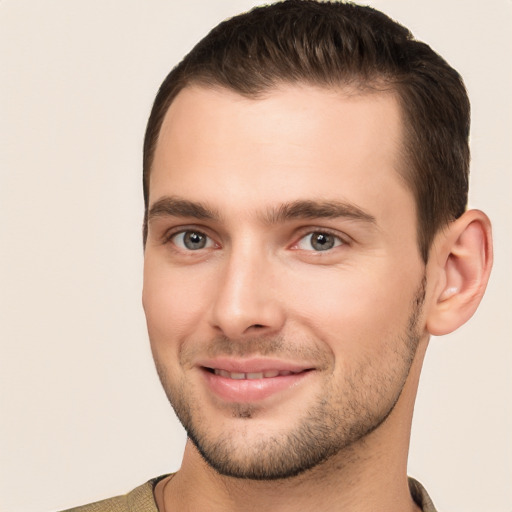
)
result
[(192, 240), (319, 241)]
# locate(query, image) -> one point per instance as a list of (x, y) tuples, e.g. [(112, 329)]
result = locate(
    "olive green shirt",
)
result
[(141, 499)]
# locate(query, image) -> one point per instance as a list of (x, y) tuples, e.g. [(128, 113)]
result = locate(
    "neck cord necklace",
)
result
[(164, 495)]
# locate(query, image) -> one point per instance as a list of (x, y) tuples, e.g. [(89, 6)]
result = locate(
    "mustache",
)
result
[(267, 346)]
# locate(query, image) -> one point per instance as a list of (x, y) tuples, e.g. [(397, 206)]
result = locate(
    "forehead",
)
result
[(291, 142)]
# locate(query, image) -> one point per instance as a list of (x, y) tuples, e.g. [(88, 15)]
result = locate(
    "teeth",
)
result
[(252, 375)]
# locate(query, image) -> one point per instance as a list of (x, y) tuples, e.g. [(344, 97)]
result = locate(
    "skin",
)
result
[(354, 317)]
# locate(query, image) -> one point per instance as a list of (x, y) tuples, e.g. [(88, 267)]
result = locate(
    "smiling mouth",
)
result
[(252, 375), (256, 383)]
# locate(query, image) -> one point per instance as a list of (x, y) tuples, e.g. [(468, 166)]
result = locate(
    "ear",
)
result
[(461, 260)]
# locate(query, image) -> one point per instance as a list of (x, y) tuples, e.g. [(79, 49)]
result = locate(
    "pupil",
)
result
[(322, 241), (194, 240)]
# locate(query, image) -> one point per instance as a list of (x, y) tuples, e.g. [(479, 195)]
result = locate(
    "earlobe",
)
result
[(463, 260)]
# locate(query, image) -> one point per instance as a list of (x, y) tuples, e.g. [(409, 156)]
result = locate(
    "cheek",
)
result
[(174, 302), (355, 313)]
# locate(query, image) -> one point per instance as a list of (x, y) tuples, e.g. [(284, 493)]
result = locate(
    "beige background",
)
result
[(82, 415)]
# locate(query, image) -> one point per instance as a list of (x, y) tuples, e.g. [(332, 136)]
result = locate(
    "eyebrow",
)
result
[(317, 210), (176, 207), (302, 209)]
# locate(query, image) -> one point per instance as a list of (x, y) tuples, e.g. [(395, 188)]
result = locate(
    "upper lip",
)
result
[(253, 365)]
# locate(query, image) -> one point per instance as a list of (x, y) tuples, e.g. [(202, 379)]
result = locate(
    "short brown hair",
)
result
[(333, 44)]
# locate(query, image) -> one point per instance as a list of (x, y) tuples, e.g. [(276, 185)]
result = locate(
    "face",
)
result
[(282, 280)]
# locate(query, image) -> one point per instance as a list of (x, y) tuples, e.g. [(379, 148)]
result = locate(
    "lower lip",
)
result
[(251, 390)]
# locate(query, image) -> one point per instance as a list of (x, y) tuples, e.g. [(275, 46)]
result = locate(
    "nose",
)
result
[(247, 299)]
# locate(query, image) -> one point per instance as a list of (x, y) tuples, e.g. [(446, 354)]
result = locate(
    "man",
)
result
[(306, 231)]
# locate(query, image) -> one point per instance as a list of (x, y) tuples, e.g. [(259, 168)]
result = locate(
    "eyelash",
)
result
[(169, 236), (210, 242), (338, 240)]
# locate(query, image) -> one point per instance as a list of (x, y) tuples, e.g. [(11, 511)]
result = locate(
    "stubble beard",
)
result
[(341, 416)]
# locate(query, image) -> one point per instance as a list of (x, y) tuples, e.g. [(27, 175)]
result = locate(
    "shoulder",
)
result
[(141, 499), (420, 496)]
